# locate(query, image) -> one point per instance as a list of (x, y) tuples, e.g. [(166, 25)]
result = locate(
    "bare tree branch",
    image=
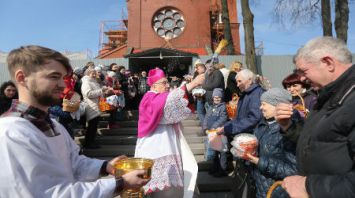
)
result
[(291, 14)]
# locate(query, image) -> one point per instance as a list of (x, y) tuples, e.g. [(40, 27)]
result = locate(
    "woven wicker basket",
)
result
[(72, 104), (272, 188)]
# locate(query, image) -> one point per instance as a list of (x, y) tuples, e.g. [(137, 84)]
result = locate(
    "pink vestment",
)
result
[(151, 111)]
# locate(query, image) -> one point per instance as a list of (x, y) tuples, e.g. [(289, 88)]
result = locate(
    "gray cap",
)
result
[(275, 96), (217, 92)]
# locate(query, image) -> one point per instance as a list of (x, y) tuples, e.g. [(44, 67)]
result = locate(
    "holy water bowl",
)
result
[(129, 164)]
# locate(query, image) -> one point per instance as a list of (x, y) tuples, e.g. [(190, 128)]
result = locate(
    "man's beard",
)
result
[(45, 97)]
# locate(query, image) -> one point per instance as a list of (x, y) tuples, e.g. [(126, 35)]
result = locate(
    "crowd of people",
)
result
[(305, 131)]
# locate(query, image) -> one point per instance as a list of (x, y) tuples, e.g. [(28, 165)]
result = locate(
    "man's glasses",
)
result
[(162, 82)]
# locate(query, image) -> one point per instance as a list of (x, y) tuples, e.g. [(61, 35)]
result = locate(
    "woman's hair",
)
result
[(5, 85), (121, 67), (111, 65), (293, 78), (236, 66), (89, 70), (90, 64), (220, 66)]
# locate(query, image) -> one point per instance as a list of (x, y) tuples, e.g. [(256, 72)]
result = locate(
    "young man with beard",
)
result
[(39, 159)]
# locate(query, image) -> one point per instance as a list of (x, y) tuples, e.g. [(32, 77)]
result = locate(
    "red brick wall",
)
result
[(141, 35)]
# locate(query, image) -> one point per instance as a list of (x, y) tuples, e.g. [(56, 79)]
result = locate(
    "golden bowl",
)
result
[(126, 165), (129, 164)]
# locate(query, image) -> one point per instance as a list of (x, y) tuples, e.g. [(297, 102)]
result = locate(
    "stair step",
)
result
[(208, 183), (128, 123), (191, 123), (133, 131), (217, 195), (132, 139), (115, 150), (117, 140), (192, 129), (119, 131)]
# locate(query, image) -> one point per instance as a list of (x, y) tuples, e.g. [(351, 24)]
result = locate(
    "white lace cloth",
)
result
[(175, 109), (167, 172)]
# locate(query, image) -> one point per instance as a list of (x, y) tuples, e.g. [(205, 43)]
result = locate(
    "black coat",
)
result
[(277, 159), (231, 86), (326, 145), (212, 80), (5, 104)]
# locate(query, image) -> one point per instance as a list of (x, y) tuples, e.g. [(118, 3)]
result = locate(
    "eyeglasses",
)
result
[(162, 82)]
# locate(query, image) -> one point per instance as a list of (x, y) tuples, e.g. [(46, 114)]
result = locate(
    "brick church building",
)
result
[(169, 33)]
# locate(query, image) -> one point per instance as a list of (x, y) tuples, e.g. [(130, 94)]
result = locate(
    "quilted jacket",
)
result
[(277, 159)]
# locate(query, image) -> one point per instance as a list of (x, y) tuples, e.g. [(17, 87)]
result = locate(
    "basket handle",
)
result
[(272, 188), (303, 104)]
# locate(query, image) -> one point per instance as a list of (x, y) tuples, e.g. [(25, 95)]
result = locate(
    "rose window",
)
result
[(168, 23)]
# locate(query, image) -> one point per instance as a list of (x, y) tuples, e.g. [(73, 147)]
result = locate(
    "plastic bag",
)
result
[(244, 144), (218, 142), (112, 100)]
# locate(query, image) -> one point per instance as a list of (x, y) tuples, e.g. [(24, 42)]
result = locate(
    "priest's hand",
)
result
[(195, 82), (134, 179), (110, 168)]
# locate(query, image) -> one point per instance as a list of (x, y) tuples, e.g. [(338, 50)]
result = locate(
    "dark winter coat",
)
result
[(5, 104), (216, 116), (232, 87), (123, 81), (326, 145), (248, 112), (212, 80), (277, 159)]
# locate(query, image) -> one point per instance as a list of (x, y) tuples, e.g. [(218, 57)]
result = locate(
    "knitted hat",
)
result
[(154, 75), (217, 92), (275, 96)]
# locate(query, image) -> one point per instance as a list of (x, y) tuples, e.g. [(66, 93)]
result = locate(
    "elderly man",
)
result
[(326, 142), (248, 112), (248, 115), (38, 157)]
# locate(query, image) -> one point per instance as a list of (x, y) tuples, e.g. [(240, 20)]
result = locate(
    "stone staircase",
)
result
[(122, 141)]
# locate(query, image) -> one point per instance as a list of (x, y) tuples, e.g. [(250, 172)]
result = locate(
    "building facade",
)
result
[(169, 33)]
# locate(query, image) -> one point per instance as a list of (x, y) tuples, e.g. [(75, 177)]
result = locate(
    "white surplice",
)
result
[(174, 163), (34, 165)]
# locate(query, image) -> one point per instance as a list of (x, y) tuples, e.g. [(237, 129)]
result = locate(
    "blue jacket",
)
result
[(277, 159), (215, 117), (248, 112)]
